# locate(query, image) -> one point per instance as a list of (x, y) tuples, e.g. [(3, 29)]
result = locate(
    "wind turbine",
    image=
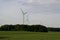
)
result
[(24, 13)]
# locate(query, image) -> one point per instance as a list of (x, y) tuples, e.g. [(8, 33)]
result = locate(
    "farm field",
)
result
[(22, 35)]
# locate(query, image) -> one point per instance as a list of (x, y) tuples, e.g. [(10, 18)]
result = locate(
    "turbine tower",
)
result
[(24, 13)]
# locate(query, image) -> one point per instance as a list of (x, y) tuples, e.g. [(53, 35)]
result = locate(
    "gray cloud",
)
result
[(53, 6)]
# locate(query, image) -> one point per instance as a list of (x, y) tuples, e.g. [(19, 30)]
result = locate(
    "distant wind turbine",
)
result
[(24, 13)]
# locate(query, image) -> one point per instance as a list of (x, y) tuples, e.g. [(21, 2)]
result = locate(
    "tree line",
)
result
[(18, 27), (54, 29)]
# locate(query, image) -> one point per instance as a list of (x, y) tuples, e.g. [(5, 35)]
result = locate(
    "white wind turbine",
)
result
[(24, 13)]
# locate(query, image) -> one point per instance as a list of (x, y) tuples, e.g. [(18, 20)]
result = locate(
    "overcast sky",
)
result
[(44, 12)]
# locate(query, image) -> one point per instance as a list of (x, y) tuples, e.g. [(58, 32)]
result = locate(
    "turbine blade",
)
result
[(23, 12)]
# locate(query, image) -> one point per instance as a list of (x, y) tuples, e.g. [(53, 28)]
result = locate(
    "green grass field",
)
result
[(17, 35)]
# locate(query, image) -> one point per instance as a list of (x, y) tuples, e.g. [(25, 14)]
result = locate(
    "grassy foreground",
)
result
[(17, 35)]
